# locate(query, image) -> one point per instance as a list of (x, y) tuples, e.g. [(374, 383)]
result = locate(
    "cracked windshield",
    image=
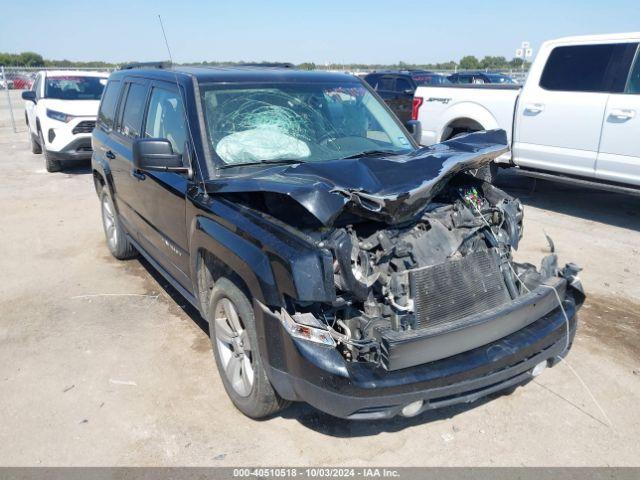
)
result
[(298, 123)]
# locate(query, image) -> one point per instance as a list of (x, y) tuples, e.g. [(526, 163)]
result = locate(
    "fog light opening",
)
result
[(412, 409), (538, 369)]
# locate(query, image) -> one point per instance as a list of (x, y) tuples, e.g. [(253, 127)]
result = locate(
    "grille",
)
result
[(456, 289), (86, 126)]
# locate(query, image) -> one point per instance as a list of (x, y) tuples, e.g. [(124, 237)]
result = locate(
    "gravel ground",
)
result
[(102, 364)]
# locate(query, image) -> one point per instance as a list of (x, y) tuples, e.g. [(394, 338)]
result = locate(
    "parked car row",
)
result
[(17, 80)]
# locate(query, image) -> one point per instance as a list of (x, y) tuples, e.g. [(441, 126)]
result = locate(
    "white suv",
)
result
[(60, 111)]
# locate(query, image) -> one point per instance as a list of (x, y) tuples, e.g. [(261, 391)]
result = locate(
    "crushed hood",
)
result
[(392, 189)]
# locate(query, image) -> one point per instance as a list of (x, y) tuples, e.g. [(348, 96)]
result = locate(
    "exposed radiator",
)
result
[(457, 288)]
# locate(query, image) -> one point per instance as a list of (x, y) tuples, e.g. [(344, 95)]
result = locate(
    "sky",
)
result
[(336, 31)]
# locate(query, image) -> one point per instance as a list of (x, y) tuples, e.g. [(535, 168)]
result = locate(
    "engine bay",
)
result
[(452, 261)]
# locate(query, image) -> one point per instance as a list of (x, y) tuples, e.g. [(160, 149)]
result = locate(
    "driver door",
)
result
[(161, 196)]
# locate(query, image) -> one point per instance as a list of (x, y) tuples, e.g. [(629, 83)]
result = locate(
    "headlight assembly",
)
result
[(59, 116)]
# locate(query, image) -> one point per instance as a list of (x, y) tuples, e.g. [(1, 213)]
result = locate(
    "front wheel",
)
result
[(235, 347), (50, 164), (35, 146)]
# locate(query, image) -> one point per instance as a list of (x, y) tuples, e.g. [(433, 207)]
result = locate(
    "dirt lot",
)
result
[(100, 364)]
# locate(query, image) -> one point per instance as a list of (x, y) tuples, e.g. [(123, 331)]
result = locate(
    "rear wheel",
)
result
[(235, 347), (117, 240)]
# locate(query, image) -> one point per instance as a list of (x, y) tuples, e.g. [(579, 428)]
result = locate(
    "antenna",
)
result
[(184, 109)]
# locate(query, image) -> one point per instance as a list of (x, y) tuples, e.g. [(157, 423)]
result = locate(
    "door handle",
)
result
[(534, 108), (110, 155), (622, 113), (137, 174)]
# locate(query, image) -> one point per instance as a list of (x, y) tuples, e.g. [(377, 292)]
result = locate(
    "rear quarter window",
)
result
[(107, 112), (588, 68), (131, 121)]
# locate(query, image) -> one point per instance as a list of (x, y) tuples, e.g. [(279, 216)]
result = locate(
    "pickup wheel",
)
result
[(235, 347), (117, 240)]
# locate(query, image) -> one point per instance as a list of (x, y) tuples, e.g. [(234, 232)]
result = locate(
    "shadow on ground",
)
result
[(76, 167), (590, 204)]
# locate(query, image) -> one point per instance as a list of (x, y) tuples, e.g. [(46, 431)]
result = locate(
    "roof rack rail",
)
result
[(160, 65), (268, 64)]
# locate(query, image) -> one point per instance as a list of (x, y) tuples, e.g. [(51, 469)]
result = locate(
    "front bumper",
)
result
[(77, 149), (303, 371)]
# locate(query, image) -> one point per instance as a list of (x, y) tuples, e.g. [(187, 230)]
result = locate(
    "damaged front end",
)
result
[(448, 270), (422, 268)]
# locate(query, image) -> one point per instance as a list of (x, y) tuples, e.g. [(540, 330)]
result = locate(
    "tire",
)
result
[(117, 240), (50, 164), (235, 347), (35, 146), (488, 173)]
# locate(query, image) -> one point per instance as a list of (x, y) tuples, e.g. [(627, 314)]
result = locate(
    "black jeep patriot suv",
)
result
[(336, 261)]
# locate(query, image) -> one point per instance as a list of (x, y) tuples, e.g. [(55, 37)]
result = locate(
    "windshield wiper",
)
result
[(284, 161), (370, 153)]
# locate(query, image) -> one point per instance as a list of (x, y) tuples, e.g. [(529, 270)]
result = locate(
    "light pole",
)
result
[(525, 51)]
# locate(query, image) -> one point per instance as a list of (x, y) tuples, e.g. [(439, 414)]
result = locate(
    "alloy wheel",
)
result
[(234, 348), (109, 223)]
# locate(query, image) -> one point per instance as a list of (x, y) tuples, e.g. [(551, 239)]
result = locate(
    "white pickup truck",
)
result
[(577, 117)]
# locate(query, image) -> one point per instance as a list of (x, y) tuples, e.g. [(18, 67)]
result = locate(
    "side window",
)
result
[(373, 81), (402, 84), (165, 118), (131, 120), (588, 68), (107, 112), (633, 85), (386, 83)]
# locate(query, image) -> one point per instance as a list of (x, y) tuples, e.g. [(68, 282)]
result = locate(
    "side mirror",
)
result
[(29, 95), (415, 129), (156, 154)]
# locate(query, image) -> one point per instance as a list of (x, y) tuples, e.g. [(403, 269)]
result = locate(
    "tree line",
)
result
[(468, 62)]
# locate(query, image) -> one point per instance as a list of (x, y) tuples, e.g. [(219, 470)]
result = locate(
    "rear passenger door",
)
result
[(619, 153), (559, 119), (118, 152), (161, 196)]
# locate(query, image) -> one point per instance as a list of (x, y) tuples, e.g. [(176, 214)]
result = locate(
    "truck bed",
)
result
[(447, 110)]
